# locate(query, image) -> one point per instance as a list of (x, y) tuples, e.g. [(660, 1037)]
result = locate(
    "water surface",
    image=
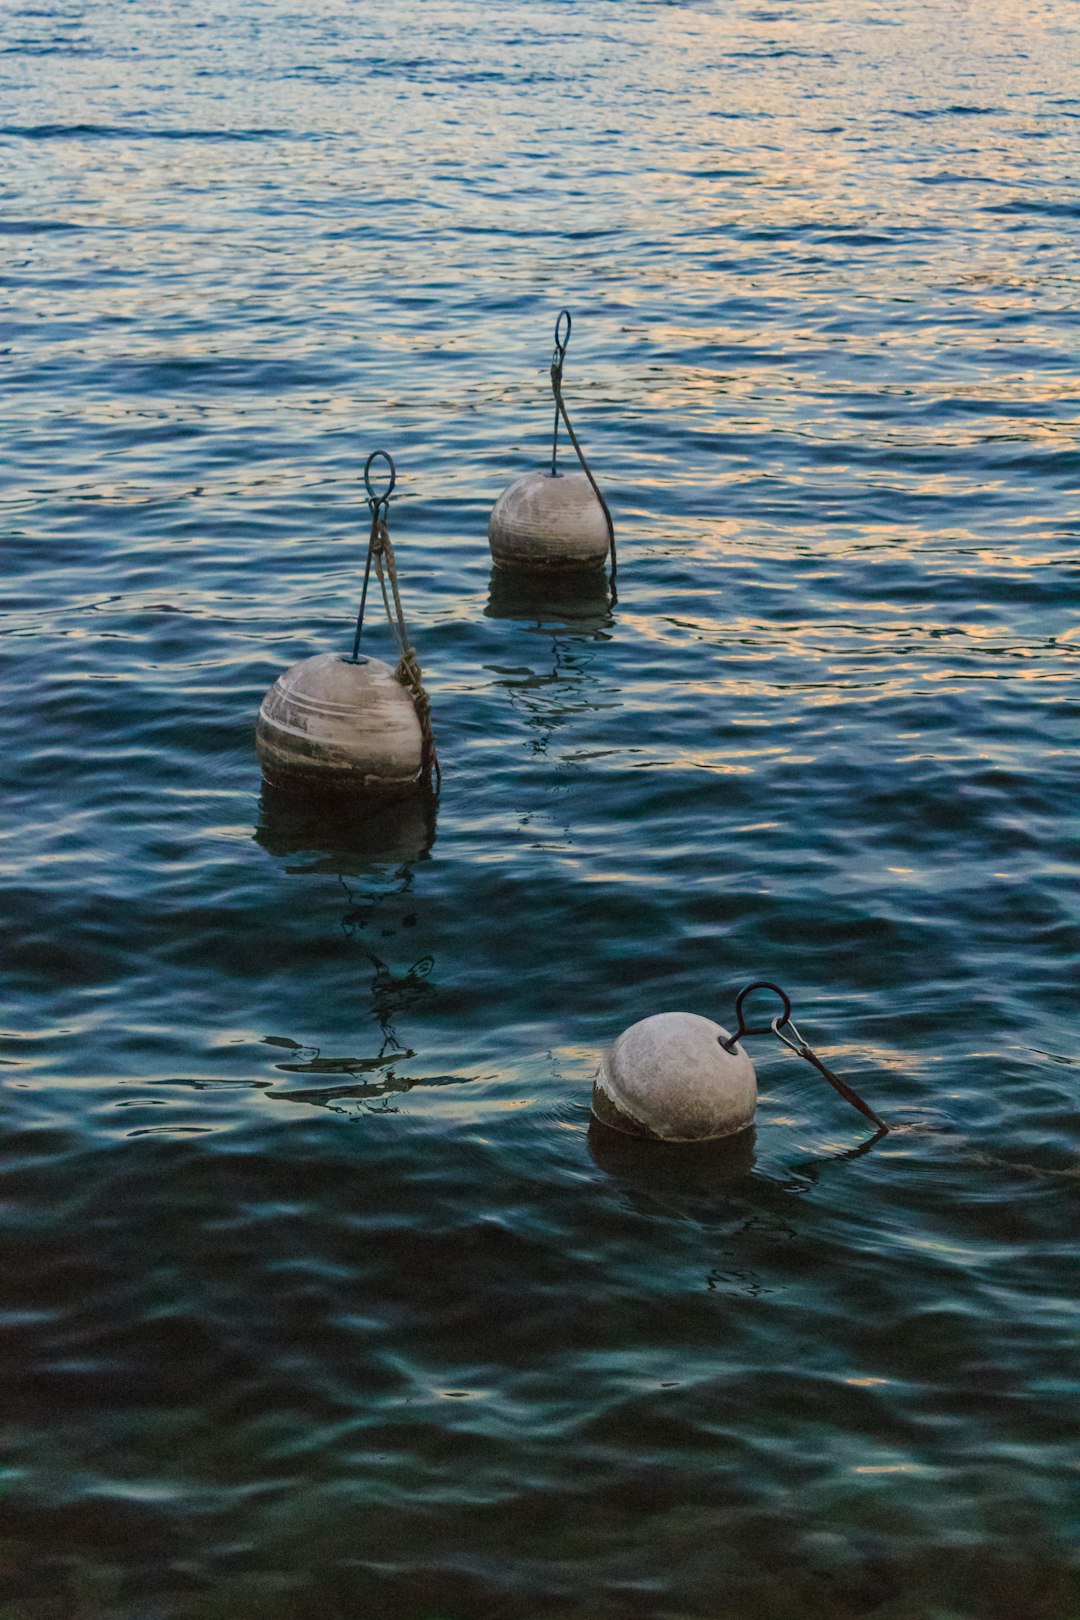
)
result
[(320, 1296)]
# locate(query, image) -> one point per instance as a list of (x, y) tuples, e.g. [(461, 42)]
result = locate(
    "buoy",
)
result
[(336, 722), (670, 1077), (551, 520), (333, 722), (548, 520), (678, 1077)]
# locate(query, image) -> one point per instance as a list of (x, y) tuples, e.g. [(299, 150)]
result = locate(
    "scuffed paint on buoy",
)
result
[(340, 723), (671, 1078), (545, 521)]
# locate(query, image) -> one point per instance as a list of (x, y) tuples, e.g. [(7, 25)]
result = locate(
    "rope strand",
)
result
[(408, 670)]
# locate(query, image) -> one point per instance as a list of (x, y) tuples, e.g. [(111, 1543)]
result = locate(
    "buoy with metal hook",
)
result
[(678, 1077), (553, 519), (333, 722)]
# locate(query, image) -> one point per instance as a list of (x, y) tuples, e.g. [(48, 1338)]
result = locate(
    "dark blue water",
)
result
[(319, 1297)]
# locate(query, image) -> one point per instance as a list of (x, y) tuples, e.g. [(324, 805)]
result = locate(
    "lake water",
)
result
[(319, 1297)]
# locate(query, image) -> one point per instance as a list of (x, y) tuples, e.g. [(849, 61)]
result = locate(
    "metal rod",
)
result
[(800, 1048), (367, 576)]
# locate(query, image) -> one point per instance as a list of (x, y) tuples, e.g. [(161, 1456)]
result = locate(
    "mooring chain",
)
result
[(796, 1043), (408, 670), (557, 360)]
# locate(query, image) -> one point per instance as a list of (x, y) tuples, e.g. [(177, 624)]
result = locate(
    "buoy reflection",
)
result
[(348, 830), (582, 599), (680, 1177)]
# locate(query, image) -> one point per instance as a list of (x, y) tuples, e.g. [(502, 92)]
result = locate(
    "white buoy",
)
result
[(549, 522), (669, 1077), (333, 722), (677, 1077), (353, 723)]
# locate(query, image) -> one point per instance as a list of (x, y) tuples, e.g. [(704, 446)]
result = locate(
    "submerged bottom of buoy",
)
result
[(678, 1172), (345, 831), (671, 1078), (336, 724), (559, 595)]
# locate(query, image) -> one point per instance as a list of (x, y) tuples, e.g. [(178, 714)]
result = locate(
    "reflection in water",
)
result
[(345, 832), (681, 1178), (809, 1169), (582, 600), (552, 697), (573, 612), (362, 1081), (367, 1083), (377, 841)]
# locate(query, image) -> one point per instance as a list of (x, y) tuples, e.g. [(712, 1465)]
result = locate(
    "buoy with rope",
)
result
[(678, 1077), (333, 722), (551, 519)]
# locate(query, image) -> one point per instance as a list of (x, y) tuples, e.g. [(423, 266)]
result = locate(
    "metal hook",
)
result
[(796, 1043), (373, 499), (561, 343), (374, 502), (756, 1029), (556, 380)]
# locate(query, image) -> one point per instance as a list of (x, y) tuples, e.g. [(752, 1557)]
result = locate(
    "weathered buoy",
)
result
[(678, 1077), (549, 520), (353, 723), (671, 1078), (335, 722)]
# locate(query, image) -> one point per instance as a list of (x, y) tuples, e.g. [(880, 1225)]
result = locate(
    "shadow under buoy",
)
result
[(351, 829), (679, 1176), (584, 601)]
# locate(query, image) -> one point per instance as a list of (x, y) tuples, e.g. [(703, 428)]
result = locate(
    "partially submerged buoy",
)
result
[(551, 520), (678, 1077), (670, 1077), (353, 723), (335, 722), (685, 1177), (548, 520)]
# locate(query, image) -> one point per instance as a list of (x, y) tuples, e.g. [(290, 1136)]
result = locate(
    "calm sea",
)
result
[(319, 1298)]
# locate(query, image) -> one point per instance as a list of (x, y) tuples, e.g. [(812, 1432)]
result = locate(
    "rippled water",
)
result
[(320, 1299)]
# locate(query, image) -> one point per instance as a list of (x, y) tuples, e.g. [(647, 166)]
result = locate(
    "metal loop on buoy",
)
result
[(560, 413), (561, 342), (556, 381), (375, 501), (378, 527), (757, 1029), (796, 1044)]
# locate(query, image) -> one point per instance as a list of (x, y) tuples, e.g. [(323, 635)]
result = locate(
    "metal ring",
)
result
[(377, 500), (760, 984), (756, 1029), (561, 342)]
